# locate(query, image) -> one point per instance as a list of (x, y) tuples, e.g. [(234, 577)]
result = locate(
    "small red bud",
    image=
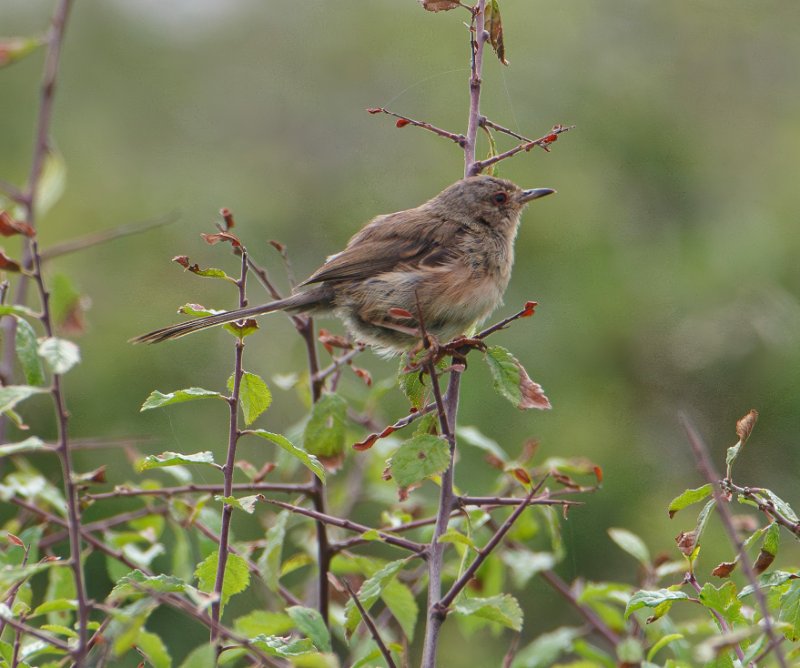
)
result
[(402, 122)]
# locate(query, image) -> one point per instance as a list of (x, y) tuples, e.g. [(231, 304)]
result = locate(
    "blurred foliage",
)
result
[(666, 268)]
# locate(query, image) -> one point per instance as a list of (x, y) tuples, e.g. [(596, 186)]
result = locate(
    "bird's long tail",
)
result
[(303, 301)]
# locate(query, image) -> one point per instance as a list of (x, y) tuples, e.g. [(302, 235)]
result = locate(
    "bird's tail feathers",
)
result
[(300, 301)]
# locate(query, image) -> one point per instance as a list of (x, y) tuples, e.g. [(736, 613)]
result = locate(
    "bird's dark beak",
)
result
[(534, 193)]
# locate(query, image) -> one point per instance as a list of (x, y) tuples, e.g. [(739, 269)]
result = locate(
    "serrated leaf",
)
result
[(310, 623), (512, 381), (154, 649), (136, 584), (503, 609), (369, 592), (60, 355), (724, 600), (283, 647), (27, 346), (308, 460), (158, 399), (543, 652), (30, 444), (326, 429), (419, 458), (403, 606), (780, 505), (235, 581), (769, 581), (688, 497), (790, 611), (245, 503), (270, 561), (52, 182), (175, 459), (632, 544), (652, 599), (11, 395), (254, 396), (13, 49)]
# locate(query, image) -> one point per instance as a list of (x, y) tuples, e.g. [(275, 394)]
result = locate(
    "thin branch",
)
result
[(12, 192), (486, 123), (489, 501), (322, 518), (543, 142), (373, 630), (369, 441), (483, 553), (405, 120), (707, 469), (765, 505), (478, 38), (27, 629), (104, 236), (338, 363), (168, 492), (230, 460)]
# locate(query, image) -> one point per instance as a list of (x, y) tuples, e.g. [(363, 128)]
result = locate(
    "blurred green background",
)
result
[(666, 268)]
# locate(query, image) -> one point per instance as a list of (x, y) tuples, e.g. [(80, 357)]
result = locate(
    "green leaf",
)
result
[(790, 611), (689, 497), (524, 564), (263, 622), (308, 460), (772, 539), (278, 646), (503, 609), (245, 503), (419, 458), (652, 599), (52, 182), (310, 623), (512, 381), (325, 432), (254, 396), (30, 444), (730, 457), (56, 605), (781, 506), (200, 657), (632, 544), (662, 642), (724, 600), (235, 581), (543, 652), (403, 606), (27, 346), (630, 651), (60, 587), (175, 459), (473, 436), (769, 581), (11, 395), (270, 561), (158, 399), (369, 592), (136, 584), (154, 649), (60, 355), (65, 300), (13, 49), (18, 310)]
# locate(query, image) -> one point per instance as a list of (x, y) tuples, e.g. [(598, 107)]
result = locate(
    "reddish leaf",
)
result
[(7, 263), (367, 443), (744, 427), (10, 226), (374, 110), (686, 541), (763, 562), (439, 5), (401, 122), (212, 239), (331, 341), (277, 245), (522, 475), (724, 569), (15, 540), (227, 216), (363, 374), (396, 312), (530, 309), (495, 462), (598, 473)]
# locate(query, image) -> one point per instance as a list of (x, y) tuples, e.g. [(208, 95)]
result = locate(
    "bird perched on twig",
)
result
[(448, 260)]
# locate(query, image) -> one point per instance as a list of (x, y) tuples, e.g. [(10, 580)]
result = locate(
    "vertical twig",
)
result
[(710, 473), (448, 406), (230, 461)]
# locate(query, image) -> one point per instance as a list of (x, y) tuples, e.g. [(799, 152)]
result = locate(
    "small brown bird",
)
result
[(448, 259)]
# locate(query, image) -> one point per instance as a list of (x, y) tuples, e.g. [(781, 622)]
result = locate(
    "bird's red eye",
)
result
[(500, 198)]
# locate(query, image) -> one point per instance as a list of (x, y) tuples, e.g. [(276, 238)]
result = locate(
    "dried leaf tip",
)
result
[(439, 5), (745, 425)]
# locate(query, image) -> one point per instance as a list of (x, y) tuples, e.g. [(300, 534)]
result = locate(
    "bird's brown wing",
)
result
[(389, 244)]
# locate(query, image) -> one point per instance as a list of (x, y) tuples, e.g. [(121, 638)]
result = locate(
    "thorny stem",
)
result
[(228, 469), (709, 472)]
